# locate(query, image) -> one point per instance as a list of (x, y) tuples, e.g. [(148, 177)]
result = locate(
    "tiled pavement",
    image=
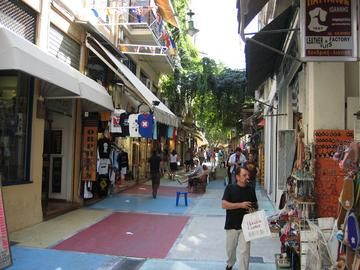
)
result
[(130, 230)]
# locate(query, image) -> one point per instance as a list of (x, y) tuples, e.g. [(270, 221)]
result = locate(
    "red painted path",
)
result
[(128, 234)]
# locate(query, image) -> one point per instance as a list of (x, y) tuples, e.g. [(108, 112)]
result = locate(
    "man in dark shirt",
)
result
[(238, 198), (155, 172)]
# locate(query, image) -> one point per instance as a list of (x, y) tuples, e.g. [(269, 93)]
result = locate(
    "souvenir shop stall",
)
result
[(116, 148), (318, 207)]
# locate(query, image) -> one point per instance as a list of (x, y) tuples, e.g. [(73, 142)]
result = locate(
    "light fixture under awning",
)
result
[(167, 12), (17, 53), (161, 112)]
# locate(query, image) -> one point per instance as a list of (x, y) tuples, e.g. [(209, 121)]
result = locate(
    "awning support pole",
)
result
[(273, 49)]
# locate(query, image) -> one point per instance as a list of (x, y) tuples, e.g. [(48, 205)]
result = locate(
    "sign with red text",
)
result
[(328, 30)]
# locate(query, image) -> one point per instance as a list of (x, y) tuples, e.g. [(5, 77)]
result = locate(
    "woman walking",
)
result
[(173, 164)]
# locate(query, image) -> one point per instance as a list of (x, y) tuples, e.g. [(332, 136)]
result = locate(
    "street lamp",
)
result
[(191, 30)]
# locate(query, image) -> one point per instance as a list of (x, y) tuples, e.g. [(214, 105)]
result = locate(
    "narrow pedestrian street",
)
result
[(131, 230)]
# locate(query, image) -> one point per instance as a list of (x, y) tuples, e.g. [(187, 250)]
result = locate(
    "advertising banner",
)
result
[(328, 30)]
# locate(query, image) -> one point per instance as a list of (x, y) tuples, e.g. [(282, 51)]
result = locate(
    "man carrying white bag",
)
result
[(239, 199)]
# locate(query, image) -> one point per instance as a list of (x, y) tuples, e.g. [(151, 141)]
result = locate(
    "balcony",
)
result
[(143, 35)]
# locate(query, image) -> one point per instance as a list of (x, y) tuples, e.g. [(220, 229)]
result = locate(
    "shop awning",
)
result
[(95, 98), (63, 81), (161, 112), (262, 62), (167, 12), (16, 53), (247, 10)]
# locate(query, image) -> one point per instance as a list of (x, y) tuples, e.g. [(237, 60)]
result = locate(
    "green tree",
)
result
[(211, 93)]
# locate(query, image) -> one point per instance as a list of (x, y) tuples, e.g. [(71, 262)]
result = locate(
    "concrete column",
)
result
[(43, 25), (325, 85)]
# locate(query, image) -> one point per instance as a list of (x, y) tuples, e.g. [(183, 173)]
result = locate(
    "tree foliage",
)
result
[(211, 93)]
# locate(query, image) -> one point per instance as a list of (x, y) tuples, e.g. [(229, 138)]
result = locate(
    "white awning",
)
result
[(17, 53), (161, 112), (95, 97)]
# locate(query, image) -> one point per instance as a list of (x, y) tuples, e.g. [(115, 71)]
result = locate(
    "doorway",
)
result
[(57, 164)]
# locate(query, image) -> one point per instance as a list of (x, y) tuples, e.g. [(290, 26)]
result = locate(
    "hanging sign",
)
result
[(328, 30)]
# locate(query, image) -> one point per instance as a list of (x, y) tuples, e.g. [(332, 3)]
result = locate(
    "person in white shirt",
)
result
[(237, 159), (173, 164)]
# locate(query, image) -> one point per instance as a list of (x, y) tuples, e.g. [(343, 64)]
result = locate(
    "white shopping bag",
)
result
[(255, 226)]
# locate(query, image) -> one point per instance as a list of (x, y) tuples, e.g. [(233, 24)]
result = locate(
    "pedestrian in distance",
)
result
[(253, 169), (238, 200), (173, 164), (188, 160), (155, 173), (237, 159)]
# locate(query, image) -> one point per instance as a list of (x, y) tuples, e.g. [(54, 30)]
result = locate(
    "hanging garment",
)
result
[(103, 166), (104, 147), (87, 190), (115, 126), (124, 122), (146, 123), (170, 133), (134, 125), (155, 131)]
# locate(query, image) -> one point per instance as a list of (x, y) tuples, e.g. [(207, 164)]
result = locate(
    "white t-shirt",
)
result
[(103, 166), (173, 158), (232, 159), (134, 125), (115, 126)]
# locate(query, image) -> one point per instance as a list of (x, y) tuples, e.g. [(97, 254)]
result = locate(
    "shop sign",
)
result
[(89, 151), (328, 30)]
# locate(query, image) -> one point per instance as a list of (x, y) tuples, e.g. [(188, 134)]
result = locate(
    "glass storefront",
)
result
[(15, 113)]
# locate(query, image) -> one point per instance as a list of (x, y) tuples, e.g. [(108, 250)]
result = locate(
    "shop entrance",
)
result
[(57, 163)]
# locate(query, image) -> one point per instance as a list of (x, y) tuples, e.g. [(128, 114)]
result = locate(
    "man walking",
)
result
[(155, 173), (237, 200), (235, 160)]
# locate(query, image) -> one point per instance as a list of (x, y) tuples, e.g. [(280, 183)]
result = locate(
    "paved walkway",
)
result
[(131, 230)]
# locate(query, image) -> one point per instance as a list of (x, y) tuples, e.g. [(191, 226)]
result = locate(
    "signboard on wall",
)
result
[(328, 30), (89, 149)]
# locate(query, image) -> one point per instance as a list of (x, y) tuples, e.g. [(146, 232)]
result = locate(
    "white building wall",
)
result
[(325, 84)]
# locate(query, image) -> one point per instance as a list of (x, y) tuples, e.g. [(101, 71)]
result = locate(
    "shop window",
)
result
[(15, 115)]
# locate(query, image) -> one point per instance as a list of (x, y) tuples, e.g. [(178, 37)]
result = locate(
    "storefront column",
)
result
[(325, 83)]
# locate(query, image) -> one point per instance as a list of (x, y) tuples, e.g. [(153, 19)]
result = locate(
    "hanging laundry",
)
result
[(166, 38), (138, 12), (173, 44), (160, 22)]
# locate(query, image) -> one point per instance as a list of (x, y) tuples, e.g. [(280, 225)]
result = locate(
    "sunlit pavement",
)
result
[(131, 230)]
